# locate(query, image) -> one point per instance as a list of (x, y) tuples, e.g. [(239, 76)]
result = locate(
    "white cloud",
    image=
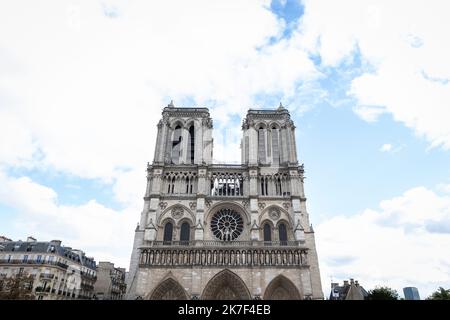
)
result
[(82, 85), (404, 243), (407, 47), (85, 90), (386, 147), (444, 187), (99, 231)]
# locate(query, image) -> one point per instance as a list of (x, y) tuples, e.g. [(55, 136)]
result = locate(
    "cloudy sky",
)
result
[(82, 85)]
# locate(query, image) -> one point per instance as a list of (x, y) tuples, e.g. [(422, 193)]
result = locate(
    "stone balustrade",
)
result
[(228, 254)]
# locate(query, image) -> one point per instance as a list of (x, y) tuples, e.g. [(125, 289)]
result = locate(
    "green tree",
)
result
[(383, 293), (440, 294), (18, 287)]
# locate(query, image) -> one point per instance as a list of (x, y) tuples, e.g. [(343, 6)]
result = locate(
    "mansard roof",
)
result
[(49, 247)]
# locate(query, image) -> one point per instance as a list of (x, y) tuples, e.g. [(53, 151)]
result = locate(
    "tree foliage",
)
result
[(440, 294), (383, 293), (18, 287)]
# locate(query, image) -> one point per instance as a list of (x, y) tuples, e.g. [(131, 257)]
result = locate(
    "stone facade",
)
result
[(110, 284), (217, 231)]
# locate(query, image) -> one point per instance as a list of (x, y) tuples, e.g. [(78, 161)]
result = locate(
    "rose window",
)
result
[(227, 224)]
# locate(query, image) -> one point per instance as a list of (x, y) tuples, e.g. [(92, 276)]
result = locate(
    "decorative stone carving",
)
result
[(202, 173), (261, 205), (244, 124), (274, 213), (177, 212), (227, 224), (207, 122), (245, 203), (208, 204), (192, 205), (163, 205), (286, 205)]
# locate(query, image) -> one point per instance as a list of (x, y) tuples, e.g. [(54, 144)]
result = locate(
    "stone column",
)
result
[(184, 145), (283, 145), (168, 148), (253, 195), (253, 146), (294, 155), (159, 142), (198, 153)]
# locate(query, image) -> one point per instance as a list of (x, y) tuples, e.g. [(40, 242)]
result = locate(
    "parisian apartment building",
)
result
[(110, 284), (58, 272)]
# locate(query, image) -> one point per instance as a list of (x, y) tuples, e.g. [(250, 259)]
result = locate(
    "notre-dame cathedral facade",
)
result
[(222, 231)]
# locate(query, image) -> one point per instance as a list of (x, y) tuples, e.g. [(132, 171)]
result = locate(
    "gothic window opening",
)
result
[(275, 146), (282, 233), (227, 224), (227, 184), (278, 188), (168, 231), (264, 189), (172, 185), (176, 145), (261, 145), (185, 233), (191, 144), (267, 233)]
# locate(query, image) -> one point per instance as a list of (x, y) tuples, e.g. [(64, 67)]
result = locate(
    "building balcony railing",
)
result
[(87, 286), (88, 276), (46, 276), (33, 262)]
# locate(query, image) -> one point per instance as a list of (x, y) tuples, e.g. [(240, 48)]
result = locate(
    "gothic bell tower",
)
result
[(184, 137)]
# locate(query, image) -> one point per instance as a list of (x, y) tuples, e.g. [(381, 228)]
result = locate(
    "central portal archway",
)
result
[(226, 285)]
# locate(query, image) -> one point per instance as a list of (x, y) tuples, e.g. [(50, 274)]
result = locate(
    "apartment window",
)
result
[(38, 258), (51, 258), (9, 258), (25, 258)]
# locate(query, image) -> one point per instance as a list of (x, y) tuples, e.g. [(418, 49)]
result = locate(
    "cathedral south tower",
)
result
[(219, 231)]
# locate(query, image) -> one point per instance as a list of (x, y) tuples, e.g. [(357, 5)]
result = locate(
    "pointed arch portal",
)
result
[(169, 289), (226, 285), (281, 288)]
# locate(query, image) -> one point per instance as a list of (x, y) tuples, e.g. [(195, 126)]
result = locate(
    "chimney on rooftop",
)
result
[(352, 281), (31, 239), (56, 242), (345, 282)]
